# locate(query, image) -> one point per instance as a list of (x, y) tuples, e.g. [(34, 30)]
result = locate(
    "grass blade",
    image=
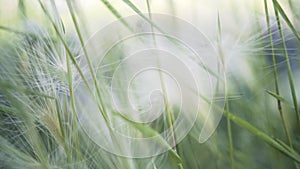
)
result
[(7, 86), (115, 12), (229, 131), (278, 7), (264, 137), (282, 147), (278, 97), (290, 74)]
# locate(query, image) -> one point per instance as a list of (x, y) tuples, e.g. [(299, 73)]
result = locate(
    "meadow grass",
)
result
[(40, 72)]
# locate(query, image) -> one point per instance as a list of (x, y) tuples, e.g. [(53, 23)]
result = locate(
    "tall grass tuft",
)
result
[(44, 62)]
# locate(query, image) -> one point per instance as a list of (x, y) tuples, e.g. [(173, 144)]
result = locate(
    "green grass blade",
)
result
[(264, 137), (278, 7), (102, 106), (278, 97), (149, 132), (115, 12), (6, 86), (69, 56), (9, 149), (259, 134), (31, 133), (4, 28), (229, 131), (136, 10), (290, 74), (72, 57)]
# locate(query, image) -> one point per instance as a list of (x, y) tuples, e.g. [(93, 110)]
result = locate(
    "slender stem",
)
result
[(169, 113), (275, 143), (286, 19), (22, 8), (115, 13), (286, 55), (229, 130), (68, 56), (75, 127), (276, 75), (290, 76), (102, 107), (68, 50), (273, 58), (231, 150)]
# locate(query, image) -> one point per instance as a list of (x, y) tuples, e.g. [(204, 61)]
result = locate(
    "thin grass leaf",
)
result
[(102, 106), (4, 28), (264, 137), (22, 8), (70, 82), (287, 20), (229, 131), (286, 55), (72, 57), (278, 97), (259, 134), (149, 132), (115, 13), (32, 135), (9, 149), (6, 109), (7, 86), (135, 9)]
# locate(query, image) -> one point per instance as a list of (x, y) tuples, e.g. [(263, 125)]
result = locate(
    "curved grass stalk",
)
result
[(31, 133), (229, 131), (274, 142), (169, 114), (69, 55), (102, 106), (136, 10), (277, 8), (290, 75), (279, 107), (68, 50), (115, 12), (17, 32)]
